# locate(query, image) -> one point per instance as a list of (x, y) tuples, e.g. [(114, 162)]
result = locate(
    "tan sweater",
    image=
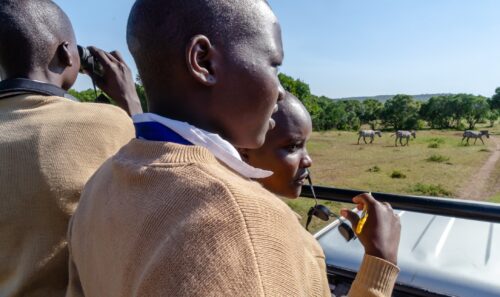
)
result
[(49, 147), (162, 219)]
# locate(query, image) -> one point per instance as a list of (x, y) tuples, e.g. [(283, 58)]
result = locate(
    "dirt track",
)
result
[(477, 187)]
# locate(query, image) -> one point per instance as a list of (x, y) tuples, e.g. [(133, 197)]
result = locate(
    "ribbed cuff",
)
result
[(376, 277)]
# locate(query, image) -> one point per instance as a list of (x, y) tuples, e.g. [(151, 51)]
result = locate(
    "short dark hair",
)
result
[(290, 106), (158, 30), (30, 31)]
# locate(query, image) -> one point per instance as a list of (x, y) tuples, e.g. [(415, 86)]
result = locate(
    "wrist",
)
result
[(388, 256), (134, 106), (131, 104)]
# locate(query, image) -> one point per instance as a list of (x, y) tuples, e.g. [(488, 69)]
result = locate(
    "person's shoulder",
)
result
[(86, 112), (202, 176), (99, 111), (89, 120), (252, 198)]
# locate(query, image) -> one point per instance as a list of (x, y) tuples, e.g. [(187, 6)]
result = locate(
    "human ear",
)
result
[(200, 56), (244, 154), (64, 54)]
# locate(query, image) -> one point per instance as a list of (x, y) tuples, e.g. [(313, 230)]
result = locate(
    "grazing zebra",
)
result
[(400, 134), (369, 133), (475, 134)]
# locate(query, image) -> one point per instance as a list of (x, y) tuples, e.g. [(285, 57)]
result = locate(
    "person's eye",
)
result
[(292, 148)]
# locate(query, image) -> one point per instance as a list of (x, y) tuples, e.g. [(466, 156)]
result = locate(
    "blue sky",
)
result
[(348, 48)]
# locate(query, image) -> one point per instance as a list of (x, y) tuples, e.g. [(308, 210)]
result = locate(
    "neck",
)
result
[(40, 75), (192, 118), (186, 110)]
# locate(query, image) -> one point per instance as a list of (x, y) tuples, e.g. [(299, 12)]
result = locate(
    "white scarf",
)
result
[(221, 148)]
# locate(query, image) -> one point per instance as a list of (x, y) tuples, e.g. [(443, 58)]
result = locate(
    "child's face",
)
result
[(285, 154)]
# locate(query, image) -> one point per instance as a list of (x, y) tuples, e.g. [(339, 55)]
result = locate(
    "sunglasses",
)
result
[(324, 213)]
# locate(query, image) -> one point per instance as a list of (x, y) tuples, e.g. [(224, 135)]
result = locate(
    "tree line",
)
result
[(456, 111), (90, 95)]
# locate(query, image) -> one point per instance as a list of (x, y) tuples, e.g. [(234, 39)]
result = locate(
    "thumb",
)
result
[(351, 217)]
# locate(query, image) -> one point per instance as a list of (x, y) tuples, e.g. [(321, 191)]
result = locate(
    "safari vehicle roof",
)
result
[(444, 255)]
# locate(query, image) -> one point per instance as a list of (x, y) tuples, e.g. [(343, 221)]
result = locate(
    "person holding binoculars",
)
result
[(49, 144)]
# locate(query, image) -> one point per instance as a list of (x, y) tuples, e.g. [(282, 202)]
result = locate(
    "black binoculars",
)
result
[(89, 64), (324, 213)]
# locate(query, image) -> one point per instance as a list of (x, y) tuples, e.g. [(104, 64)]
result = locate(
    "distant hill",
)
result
[(383, 98)]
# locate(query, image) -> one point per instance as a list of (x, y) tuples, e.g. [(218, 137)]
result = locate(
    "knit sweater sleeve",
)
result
[(240, 244), (201, 248), (74, 288), (290, 260), (376, 278)]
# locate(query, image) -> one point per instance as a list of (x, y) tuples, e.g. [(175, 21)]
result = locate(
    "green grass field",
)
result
[(435, 164), (495, 199)]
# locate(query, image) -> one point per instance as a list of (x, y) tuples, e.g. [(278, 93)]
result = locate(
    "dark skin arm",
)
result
[(382, 231), (117, 81)]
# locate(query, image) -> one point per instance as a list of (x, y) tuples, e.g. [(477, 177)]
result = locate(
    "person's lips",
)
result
[(302, 178)]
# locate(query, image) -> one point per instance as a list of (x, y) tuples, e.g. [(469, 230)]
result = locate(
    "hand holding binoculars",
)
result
[(89, 64), (323, 213)]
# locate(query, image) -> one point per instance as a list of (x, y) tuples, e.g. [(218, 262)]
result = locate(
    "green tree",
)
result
[(401, 112), (454, 106), (88, 95), (493, 116), (475, 109), (353, 109), (437, 112), (336, 114), (495, 100), (354, 106), (297, 87), (142, 95), (326, 119), (372, 110), (314, 109)]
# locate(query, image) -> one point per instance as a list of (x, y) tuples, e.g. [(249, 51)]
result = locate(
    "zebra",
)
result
[(475, 134), (400, 134), (369, 133)]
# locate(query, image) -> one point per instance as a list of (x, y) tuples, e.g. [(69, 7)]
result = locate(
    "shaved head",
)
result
[(291, 112), (30, 33), (159, 30), (211, 63)]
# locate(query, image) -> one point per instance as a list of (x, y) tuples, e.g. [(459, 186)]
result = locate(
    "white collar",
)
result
[(221, 149)]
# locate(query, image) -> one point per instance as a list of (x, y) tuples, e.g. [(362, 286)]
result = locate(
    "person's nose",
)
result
[(306, 160)]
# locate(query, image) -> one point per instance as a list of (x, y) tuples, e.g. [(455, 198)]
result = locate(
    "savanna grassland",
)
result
[(436, 163)]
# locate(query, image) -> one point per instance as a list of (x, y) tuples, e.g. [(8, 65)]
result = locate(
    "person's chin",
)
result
[(294, 191), (260, 138), (253, 143), (291, 192), (298, 191)]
